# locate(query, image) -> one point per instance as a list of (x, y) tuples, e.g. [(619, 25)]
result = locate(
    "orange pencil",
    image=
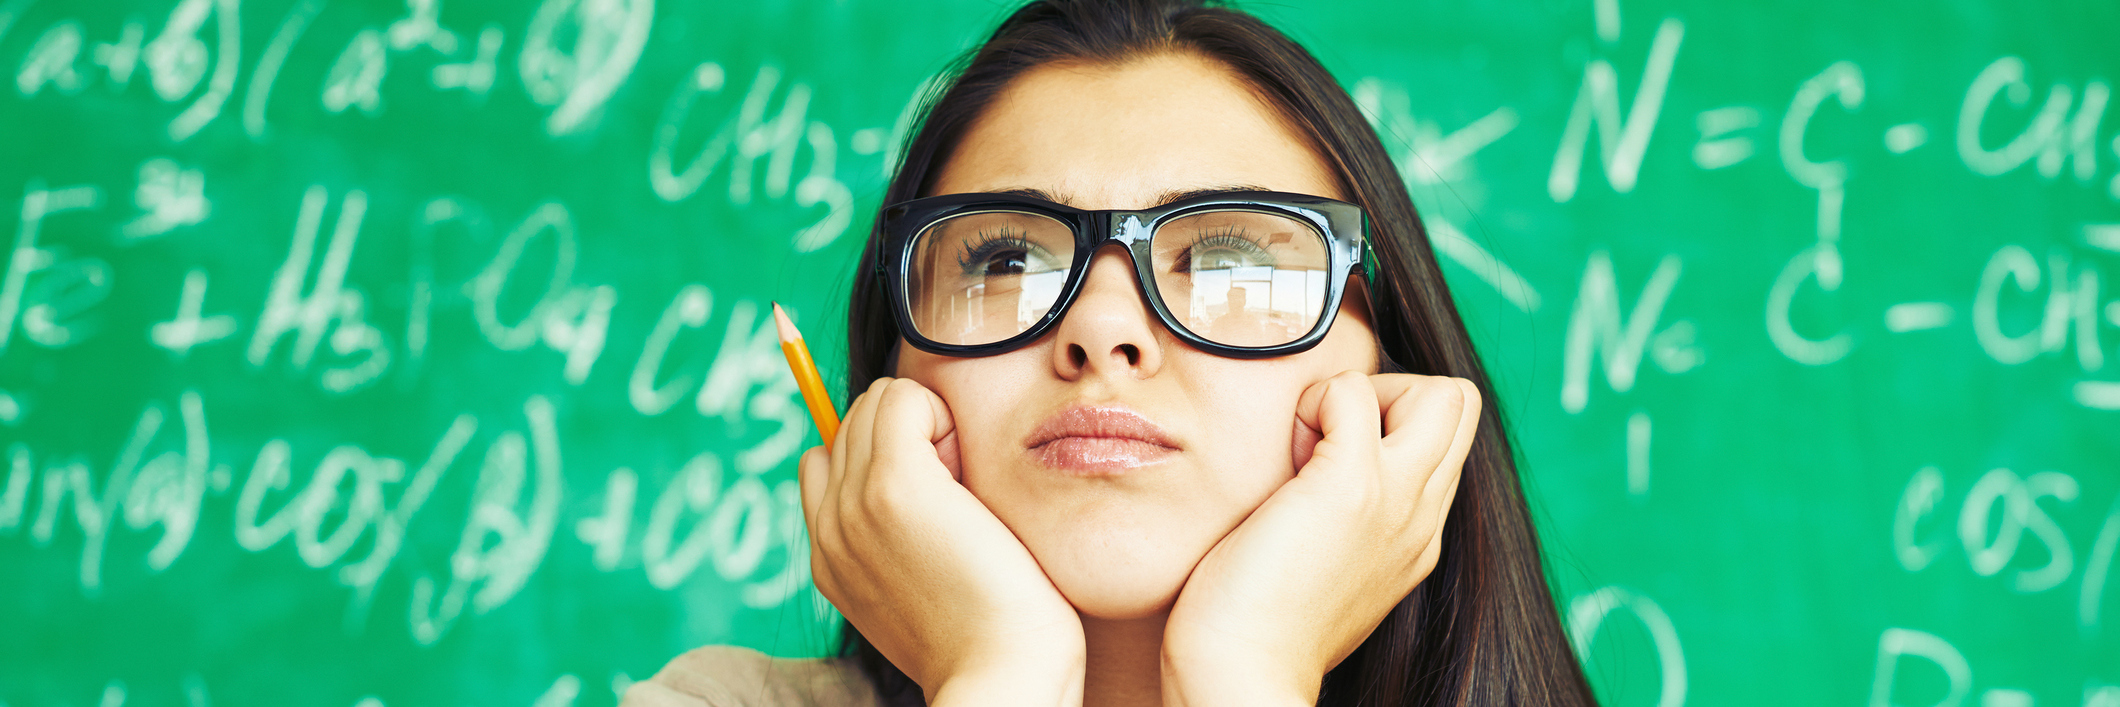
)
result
[(806, 378)]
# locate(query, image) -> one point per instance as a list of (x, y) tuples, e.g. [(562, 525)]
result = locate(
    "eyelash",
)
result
[(1229, 237), (975, 253)]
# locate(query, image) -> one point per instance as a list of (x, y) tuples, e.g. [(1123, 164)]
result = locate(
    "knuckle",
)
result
[(874, 391), (1469, 391), (1445, 387), (846, 507), (1447, 393), (881, 502), (898, 392), (1425, 566), (821, 575), (870, 504), (902, 396), (819, 552)]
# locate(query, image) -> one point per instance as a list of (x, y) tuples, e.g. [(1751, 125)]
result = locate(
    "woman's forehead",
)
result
[(1122, 136)]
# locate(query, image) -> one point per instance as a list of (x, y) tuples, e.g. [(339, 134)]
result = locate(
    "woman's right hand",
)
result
[(927, 574)]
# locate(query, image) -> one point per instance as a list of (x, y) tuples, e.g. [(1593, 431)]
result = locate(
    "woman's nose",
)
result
[(1108, 330)]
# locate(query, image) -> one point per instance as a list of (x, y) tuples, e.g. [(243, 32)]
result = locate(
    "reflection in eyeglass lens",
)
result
[(984, 277), (1242, 278)]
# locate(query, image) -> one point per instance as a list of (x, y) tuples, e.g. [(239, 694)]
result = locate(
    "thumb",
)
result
[(1304, 443), (1338, 418), (944, 434), (914, 415), (813, 474), (946, 446)]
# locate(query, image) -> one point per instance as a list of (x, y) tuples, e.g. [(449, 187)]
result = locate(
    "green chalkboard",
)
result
[(377, 353)]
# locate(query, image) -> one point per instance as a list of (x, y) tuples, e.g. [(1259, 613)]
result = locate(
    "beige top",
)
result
[(728, 676)]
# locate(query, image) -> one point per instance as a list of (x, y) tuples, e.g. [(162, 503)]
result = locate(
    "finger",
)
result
[(1424, 564), (1467, 428), (1349, 408), (841, 443), (1392, 390), (856, 438), (910, 421), (1439, 491), (1437, 500), (1447, 501), (1306, 434), (835, 476), (1421, 409), (1302, 441), (1433, 551), (1307, 405), (1440, 483), (813, 472), (826, 581), (1430, 444), (944, 434), (1346, 416)]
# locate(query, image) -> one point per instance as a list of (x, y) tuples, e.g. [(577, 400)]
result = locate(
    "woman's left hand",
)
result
[(1309, 575)]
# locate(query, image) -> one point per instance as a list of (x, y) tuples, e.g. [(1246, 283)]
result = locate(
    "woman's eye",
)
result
[(1012, 262), (1224, 252), (1003, 256)]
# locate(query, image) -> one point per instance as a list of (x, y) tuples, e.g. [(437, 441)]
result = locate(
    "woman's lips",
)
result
[(1095, 441), (1094, 456)]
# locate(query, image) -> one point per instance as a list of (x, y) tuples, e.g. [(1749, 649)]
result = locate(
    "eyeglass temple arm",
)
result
[(1368, 262)]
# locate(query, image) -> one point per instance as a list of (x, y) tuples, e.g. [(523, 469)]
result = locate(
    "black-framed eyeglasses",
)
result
[(1247, 274)]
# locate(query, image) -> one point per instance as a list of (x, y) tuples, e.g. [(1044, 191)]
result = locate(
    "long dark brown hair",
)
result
[(1482, 628)]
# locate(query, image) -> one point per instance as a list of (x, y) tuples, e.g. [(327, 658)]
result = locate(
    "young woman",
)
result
[(1161, 400)]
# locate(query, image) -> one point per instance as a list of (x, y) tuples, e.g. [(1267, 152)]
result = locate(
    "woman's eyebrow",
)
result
[(1163, 198), (1033, 193), (1176, 195)]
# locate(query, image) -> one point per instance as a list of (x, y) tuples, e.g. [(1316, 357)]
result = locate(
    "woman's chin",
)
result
[(1120, 596), (1119, 578)]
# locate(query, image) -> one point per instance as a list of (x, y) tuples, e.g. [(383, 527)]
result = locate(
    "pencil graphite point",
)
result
[(788, 333), (806, 379)]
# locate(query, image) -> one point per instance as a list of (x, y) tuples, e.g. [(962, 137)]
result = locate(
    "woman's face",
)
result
[(1119, 523)]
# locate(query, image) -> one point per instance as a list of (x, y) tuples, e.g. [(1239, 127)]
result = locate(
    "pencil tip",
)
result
[(788, 333)]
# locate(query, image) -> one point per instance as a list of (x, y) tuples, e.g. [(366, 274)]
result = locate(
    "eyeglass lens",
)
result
[(1233, 277)]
